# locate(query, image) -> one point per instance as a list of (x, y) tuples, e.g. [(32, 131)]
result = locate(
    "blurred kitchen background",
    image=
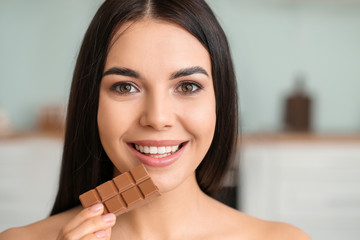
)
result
[(298, 69)]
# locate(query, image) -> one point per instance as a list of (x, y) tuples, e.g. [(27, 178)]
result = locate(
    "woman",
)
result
[(153, 84)]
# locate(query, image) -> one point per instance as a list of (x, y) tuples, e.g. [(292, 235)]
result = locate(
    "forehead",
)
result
[(156, 44)]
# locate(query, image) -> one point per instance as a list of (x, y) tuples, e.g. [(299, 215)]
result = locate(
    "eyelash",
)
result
[(134, 88)]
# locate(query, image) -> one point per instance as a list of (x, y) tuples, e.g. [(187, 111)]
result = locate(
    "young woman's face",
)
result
[(157, 102)]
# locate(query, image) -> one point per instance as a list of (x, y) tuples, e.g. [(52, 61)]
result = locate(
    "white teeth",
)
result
[(159, 151), (146, 149), (153, 150), (160, 155)]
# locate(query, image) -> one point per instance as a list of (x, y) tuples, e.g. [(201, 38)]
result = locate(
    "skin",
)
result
[(158, 108)]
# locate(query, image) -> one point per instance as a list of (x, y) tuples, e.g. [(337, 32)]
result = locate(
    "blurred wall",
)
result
[(274, 40), (39, 42), (271, 42)]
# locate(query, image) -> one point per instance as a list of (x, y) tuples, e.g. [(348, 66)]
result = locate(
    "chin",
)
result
[(172, 180)]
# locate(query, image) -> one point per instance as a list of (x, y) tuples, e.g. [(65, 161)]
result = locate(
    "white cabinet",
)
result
[(312, 184), (29, 174)]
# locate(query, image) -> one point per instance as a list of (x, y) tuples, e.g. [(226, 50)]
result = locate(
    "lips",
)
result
[(157, 153)]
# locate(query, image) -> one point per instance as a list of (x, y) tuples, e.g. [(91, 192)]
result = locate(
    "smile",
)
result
[(157, 151)]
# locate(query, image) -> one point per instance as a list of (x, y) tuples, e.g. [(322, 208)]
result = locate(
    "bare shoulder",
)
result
[(47, 228), (262, 229), (279, 230), (238, 225)]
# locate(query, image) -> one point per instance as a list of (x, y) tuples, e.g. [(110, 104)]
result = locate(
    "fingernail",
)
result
[(97, 207), (110, 217), (100, 234)]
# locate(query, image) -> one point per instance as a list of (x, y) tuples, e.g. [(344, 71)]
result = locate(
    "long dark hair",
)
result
[(85, 163)]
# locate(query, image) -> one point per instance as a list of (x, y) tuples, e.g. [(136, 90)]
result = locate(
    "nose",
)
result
[(158, 112)]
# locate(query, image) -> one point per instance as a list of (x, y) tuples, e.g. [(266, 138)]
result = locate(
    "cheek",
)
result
[(200, 122), (113, 120), (108, 119)]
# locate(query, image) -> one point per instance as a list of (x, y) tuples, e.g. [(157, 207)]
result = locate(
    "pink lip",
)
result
[(158, 162)]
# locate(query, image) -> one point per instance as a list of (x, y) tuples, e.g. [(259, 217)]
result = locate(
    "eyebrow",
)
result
[(181, 73), (189, 71), (122, 71)]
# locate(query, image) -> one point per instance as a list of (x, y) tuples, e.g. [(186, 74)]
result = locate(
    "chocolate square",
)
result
[(115, 205), (148, 188), (89, 198), (107, 190), (132, 196), (139, 173), (123, 182)]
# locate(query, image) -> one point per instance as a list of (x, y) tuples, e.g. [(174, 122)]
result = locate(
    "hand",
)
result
[(89, 224)]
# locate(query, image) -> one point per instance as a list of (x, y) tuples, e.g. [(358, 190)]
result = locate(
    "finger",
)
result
[(85, 214), (92, 237), (91, 226), (106, 234)]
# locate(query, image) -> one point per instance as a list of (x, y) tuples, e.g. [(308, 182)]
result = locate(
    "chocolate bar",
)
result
[(123, 193)]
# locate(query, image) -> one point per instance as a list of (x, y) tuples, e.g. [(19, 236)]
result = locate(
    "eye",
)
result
[(188, 88), (124, 88)]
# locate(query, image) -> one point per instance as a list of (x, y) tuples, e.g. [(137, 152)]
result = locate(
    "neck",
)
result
[(166, 215)]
